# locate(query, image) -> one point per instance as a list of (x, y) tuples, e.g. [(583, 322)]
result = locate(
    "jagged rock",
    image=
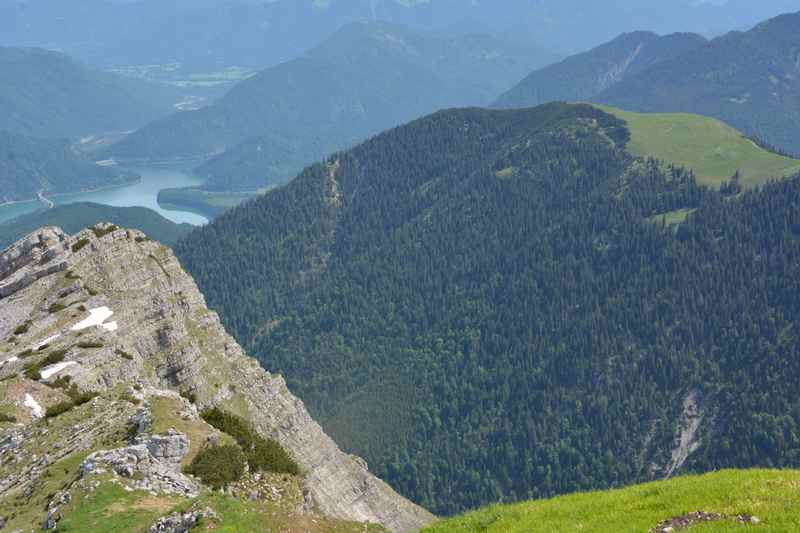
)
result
[(181, 523), (158, 460), (39, 254), (171, 342)]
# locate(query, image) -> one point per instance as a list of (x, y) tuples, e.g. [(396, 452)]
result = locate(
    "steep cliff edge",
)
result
[(108, 357)]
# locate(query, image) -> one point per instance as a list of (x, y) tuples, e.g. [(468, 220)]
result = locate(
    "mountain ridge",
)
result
[(583, 76), (450, 278), (48, 94), (365, 78), (149, 333)]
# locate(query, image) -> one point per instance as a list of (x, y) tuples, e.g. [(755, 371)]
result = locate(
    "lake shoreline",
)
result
[(38, 199), (141, 189)]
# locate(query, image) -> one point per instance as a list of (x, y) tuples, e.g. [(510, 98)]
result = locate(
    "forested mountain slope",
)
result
[(47, 94), (751, 80), (480, 304), (581, 77), (365, 78), (29, 165)]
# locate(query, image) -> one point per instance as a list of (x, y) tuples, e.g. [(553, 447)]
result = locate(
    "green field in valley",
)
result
[(734, 500), (714, 150)]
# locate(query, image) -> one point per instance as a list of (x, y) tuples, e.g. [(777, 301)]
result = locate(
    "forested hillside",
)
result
[(47, 94), (29, 165), (581, 77), (365, 78), (484, 306)]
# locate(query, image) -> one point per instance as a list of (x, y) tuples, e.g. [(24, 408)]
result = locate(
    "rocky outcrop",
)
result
[(39, 254), (156, 460), (687, 441), (182, 522), (165, 339)]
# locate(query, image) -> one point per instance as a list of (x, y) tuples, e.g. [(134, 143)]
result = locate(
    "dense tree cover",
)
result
[(72, 218), (480, 304), (29, 165)]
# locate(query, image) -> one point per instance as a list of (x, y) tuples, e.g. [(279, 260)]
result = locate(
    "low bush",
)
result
[(218, 466), (33, 371), (62, 382), (189, 395), (26, 353), (7, 418), (56, 356), (102, 232), (56, 307), (58, 409), (79, 245), (124, 354), (76, 398), (21, 330), (90, 344), (263, 455), (269, 456)]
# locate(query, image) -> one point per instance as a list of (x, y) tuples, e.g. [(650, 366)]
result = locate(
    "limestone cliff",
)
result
[(111, 313)]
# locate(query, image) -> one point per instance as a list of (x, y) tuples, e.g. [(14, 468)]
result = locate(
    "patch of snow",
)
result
[(12, 360), (52, 370), (110, 326), (96, 318), (47, 341), (106, 163), (33, 405)]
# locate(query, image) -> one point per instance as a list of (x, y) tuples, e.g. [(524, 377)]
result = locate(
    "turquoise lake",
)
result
[(144, 194)]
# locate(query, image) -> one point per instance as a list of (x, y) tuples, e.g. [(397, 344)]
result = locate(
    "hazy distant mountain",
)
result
[(749, 79), (29, 165), (583, 76), (47, 94), (263, 33), (367, 77)]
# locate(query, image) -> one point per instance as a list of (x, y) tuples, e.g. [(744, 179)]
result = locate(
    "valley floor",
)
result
[(726, 501)]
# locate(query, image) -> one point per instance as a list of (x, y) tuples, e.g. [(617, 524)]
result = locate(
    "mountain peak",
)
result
[(109, 316)]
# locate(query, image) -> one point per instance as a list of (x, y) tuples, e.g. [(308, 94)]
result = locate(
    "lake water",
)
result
[(144, 194)]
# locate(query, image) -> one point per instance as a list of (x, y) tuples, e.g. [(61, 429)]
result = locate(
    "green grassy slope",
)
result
[(771, 496), (714, 150)]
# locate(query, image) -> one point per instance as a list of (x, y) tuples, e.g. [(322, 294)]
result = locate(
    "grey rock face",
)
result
[(169, 340), (39, 254), (181, 523), (157, 459)]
